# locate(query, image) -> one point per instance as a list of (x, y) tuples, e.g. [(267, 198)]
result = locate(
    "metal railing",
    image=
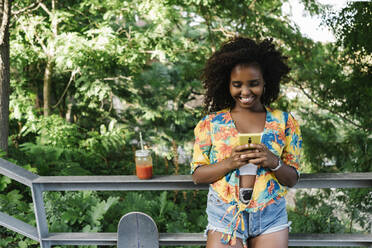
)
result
[(40, 184)]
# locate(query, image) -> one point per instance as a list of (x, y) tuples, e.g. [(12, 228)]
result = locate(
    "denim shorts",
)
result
[(270, 219)]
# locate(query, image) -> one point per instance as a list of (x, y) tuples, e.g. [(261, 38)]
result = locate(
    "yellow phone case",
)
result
[(249, 138)]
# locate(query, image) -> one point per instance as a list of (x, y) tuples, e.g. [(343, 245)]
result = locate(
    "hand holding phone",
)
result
[(249, 138)]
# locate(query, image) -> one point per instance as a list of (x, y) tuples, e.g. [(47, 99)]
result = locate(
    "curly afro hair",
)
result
[(240, 50)]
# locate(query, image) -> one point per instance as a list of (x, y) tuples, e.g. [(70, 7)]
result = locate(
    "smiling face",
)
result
[(246, 87)]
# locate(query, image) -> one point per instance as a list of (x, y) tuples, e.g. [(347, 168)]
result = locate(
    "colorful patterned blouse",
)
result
[(216, 135)]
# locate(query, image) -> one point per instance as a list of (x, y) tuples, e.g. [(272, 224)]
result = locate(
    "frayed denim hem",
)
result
[(224, 235), (215, 229), (278, 228)]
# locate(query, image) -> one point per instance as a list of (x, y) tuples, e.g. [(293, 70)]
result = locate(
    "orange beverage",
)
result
[(143, 164), (144, 172)]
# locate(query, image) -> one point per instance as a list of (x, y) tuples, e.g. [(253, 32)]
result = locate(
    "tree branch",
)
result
[(207, 17), (46, 9), (251, 5), (328, 109), (27, 35), (30, 38), (116, 78), (34, 5), (111, 101), (54, 19), (45, 49), (72, 77), (83, 14), (196, 93), (226, 33)]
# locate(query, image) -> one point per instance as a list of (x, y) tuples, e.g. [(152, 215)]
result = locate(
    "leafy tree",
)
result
[(337, 126)]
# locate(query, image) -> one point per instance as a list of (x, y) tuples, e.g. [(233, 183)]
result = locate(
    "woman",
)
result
[(242, 79)]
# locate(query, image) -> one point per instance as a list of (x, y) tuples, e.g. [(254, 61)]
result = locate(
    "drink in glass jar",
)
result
[(143, 164)]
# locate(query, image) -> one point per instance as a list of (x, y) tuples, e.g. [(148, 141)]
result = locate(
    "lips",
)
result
[(246, 100)]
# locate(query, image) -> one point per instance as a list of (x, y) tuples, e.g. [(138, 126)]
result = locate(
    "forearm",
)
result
[(286, 175), (212, 172), (262, 156)]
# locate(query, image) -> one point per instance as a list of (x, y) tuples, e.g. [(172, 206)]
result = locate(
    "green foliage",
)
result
[(169, 214), (314, 214), (336, 124), (107, 139), (121, 67), (351, 26), (13, 203), (76, 211), (88, 211), (61, 161)]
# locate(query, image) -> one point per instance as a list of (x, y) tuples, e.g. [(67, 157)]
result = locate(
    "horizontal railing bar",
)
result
[(122, 183), (336, 180), (330, 239), (18, 226), (82, 238), (16, 172), (295, 239), (184, 182), (177, 239)]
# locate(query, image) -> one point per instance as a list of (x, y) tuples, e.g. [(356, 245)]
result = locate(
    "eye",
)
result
[(254, 83), (236, 83)]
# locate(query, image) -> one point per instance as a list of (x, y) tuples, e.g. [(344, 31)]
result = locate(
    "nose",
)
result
[(246, 91)]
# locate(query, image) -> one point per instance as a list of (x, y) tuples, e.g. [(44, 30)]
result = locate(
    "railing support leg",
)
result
[(137, 229), (40, 215)]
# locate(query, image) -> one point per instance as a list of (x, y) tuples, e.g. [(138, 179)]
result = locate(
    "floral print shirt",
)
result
[(216, 135)]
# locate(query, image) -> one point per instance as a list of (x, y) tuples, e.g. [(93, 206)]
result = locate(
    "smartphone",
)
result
[(249, 138)]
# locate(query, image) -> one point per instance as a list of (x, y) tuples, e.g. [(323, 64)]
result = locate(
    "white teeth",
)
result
[(247, 100)]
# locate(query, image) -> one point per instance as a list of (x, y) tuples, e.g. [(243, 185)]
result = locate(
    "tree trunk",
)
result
[(70, 104), (47, 86), (47, 90), (4, 73)]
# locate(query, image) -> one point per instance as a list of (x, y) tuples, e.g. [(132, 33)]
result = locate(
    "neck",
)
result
[(258, 109)]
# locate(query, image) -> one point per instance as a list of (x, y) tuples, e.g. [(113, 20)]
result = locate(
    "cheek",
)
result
[(258, 90), (232, 90)]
